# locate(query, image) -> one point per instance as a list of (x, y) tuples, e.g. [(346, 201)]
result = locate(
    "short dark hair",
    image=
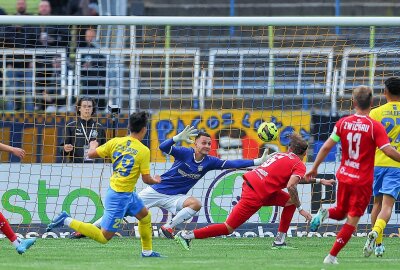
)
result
[(393, 85), (202, 133), (297, 144), (362, 95), (137, 121), (82, 99)]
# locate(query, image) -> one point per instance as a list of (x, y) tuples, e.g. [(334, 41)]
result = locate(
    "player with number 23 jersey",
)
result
[(130, 158)]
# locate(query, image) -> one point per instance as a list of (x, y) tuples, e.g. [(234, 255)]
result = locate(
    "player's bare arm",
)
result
[(294, 196), (147, 179), (18, 152), (292, 189), (323, 152), (322, 181), (391, 152)]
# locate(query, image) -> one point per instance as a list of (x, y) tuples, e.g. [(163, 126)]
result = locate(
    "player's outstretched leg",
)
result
[(370, 243), (167, 232), (25, 244), (180, 239), (329, 259), (318, 219), (57, 221), (379, 250)]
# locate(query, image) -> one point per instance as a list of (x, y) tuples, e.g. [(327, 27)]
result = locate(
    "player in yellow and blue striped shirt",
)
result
[(386, 173), (130, 158)]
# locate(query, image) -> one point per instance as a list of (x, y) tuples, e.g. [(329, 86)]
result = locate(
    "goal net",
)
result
[(219, 78)]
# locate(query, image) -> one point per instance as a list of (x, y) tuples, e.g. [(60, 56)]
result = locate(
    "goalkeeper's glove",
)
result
[(265, 156), (185, 135)]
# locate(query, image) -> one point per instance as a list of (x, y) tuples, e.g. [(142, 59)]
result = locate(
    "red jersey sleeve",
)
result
[(380, 135), (337, 129), (299, 169)]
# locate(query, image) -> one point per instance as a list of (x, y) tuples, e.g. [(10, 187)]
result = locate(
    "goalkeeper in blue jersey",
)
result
[(190, 165), (130, 158)]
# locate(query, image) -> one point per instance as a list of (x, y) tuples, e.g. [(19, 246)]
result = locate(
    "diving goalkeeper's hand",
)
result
[(265, 157), (185, 135)]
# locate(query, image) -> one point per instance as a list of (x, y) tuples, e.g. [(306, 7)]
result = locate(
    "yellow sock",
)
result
[(146, 232), (89, 230), (379, 227)]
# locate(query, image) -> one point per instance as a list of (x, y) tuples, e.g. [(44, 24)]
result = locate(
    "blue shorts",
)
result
[(386, 181), (118, 205)]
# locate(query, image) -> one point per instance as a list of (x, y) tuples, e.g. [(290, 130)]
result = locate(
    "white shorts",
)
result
[(172, 203)]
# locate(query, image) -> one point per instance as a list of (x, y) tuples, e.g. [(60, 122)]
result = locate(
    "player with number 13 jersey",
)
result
[(360, 135)]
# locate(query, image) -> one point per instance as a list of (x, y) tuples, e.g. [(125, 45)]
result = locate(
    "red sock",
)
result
[(211, 231), (286, 218), (342, 238), (6, 229), (335, 214)]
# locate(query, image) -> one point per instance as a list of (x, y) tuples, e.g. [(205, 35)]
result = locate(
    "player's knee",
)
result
[(146, 219), (229, 228), (107, 236), (196, 206)]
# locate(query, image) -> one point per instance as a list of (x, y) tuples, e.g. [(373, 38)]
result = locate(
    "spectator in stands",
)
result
[(93, 71), (79, 133), (82, 8), (19, 66), (93, 9), (52, 94), (48, 36), (59, 6)]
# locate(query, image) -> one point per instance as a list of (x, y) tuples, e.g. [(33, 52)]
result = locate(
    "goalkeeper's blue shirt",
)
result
[(186, 171)]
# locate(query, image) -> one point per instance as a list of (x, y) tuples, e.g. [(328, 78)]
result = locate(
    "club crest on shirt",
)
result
[(200, 168)]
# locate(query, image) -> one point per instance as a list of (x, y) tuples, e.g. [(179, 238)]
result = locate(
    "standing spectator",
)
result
[(386, 173), (360, 136), (19, 66), (48, 36), (82, 8), (59, 6), (93, 71), (79, 133), (53, 100)]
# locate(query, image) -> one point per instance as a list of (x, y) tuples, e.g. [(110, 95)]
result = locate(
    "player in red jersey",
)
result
[(20, 245), (360, 136), (263, 187)]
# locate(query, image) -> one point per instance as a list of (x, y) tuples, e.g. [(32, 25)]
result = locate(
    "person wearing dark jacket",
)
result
[(79, 133)]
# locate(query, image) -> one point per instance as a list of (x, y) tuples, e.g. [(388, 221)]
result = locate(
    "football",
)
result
[(267, 131)]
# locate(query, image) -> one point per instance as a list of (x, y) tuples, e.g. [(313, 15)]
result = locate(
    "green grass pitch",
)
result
[(218, 253)]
